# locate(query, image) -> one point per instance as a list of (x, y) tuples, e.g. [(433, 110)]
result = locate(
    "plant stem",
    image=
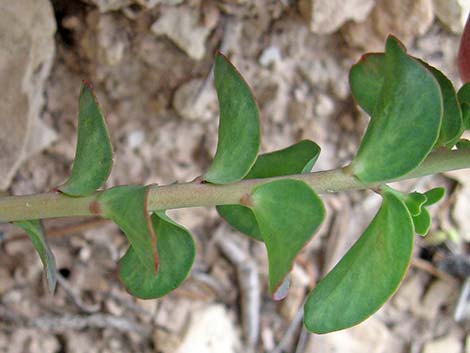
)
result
[(196, 194)]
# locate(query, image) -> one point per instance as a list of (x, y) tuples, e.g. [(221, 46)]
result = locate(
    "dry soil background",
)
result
[(150, 61)]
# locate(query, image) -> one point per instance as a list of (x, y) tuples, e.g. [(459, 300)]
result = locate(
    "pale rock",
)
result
[(112, 40), (408, 296), (183, 27), (195, 100), (405, 19), (322, 73), (135, 138), (173, 315), (438, 294), (453, 13), (106, 39), (299, 281), (27, 33), (448, 344), (110, 5), (6, 281), (370, 336), (35, 341), (210, 330), (116, 5), (461, 210), (152, 3), (324, 106), (164, 341), (270, 56), (326, 16)]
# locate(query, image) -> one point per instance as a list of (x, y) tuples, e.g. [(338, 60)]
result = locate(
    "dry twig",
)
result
[(248, 281)]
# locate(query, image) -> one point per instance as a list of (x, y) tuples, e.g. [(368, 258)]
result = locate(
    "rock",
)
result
[(135, 139), (439, 294), (371, 336), (6, 281), (151, 3), (27, 40), (453, 13), (405, 19), (299, 281), (164, 341), (467, 344), (195, 100), (270, 56), (210, 330), (182, 26), (448, 344), (115, 5), (106, 39), (110, 5), (461, 211), (408, 297), (324, 105), (326, 16)]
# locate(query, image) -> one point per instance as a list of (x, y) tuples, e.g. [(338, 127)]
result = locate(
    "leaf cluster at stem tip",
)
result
[(414, 110)]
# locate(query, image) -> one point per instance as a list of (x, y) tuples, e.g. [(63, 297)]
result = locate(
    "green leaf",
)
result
[(242, 219), (288, 213), (464, 98), (422, 222), (465, 115), (35, 231), (464, 93), (405, 121), (295, 159), (452, 124), (94, 153), (415, 201), (434, 196), (177, 252), (462, 144), (369, 273), (127, 207), (239, 129), (366, 79)]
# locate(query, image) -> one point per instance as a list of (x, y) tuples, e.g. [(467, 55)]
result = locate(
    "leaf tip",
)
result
[(88, 84), (282, 289)]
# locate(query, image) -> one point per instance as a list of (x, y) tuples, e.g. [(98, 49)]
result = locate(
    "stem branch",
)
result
[(196, 194)]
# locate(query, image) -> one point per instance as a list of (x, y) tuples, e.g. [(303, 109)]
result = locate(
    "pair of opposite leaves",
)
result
[(236, 152), (406, 106), (148, 268)]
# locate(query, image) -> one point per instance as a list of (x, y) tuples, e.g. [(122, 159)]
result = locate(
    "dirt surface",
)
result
[(150, 62)]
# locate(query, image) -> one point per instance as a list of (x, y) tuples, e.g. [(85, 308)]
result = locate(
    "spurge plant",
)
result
[(415, 128)]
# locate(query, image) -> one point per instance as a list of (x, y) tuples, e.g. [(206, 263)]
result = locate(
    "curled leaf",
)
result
[(288, 213), (94, 153), (368, 275), (239, 129), (295, 159), (176, 251), (405, 121), (452, 122), (35, 231), (127, 207), (366, 79)]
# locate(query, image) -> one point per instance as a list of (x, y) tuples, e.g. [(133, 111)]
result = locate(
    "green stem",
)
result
[(195, 194)]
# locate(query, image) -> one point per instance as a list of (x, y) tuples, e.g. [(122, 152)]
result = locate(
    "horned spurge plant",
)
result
[(415, 128)]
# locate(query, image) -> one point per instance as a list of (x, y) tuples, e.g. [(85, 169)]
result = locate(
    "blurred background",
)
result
[(150, 62)]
